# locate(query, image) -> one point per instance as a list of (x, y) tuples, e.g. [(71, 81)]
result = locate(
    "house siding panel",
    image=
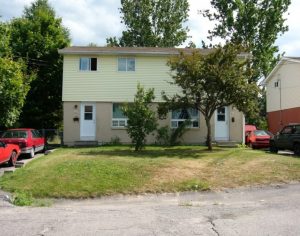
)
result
[(108, 84), (286, 95)]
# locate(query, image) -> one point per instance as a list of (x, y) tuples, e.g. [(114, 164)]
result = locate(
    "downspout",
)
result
[(280, 105)]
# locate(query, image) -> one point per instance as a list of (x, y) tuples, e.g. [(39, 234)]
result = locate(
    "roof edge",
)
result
[(291, 59)]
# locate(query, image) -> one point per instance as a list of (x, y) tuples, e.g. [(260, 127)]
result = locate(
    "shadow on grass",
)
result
[(163, 152)]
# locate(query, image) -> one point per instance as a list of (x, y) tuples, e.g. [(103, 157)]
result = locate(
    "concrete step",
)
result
[(85, 143), (19, 164), (227, 144)]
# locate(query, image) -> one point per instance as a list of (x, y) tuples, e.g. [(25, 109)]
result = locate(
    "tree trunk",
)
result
[(208, 138)]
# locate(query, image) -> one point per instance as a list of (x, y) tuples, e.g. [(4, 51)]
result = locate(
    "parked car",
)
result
[(287, 139), (259, 139), (9, 153), (248, 129), (30, 141)]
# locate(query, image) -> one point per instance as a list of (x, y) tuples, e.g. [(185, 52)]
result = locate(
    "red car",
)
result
[(259, 139), (248, 129), (9, 153), (30, 141)]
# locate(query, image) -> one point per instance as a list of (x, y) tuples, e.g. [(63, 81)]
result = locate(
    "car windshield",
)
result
[(260, 133), (14, 134)]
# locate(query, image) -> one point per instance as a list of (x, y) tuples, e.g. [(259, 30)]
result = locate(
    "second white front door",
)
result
[(222, 124), (88, 122)]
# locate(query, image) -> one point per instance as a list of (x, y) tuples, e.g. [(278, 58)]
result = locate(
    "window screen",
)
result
[(88, 112)]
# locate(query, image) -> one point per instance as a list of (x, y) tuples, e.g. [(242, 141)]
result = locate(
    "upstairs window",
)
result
[(126, 64), (276, 84), (181, 115), (88, 64), (119, 119)]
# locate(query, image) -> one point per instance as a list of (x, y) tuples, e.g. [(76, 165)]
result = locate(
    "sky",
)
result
[(95, 20)]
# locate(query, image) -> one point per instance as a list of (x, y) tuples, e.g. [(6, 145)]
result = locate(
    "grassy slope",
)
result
[(91, 172)]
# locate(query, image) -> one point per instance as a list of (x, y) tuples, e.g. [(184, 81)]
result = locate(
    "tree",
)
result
[(141, 119), (260, 119), (14, 84), (253, 24), (36, 37), (211, 81), (152, 23)]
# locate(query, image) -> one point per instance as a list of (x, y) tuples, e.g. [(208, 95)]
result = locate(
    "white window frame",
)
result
[(183, 120), (118, 120), (126, 64), (89, 64)]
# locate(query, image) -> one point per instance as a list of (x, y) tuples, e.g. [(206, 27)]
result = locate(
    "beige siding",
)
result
[(108, 84), (286, 95), (105, 132), (236, 123), (71, 127)]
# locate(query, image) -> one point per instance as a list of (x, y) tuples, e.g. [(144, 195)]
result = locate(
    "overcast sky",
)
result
[(95, 20)]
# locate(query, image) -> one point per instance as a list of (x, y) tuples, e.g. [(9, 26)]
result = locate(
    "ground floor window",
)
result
[(118, 118), (181, 115)]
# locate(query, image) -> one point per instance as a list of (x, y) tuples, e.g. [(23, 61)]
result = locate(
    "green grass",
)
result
[(94, 172)]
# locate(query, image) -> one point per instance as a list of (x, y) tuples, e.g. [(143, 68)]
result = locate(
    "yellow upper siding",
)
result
[(287, 94), (108, 84)]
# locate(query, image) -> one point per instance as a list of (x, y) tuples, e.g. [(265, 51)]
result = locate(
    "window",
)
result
[(14, 134), (297, 129), (276, 84), (179, 116), (36, 134), (126, 64), (88, 64), (221, 114), (118, 120), (88, 112), (287, 130)]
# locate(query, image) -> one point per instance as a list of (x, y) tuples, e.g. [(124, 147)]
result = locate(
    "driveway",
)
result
[(273, 210), (22, 161)]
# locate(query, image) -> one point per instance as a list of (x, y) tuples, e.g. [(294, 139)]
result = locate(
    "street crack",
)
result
[(210, 220)]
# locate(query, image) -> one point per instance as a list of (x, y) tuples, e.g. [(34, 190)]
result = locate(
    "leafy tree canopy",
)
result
[(152, 23), (14, 83), (211, 81), (36, 37), (253, 24)]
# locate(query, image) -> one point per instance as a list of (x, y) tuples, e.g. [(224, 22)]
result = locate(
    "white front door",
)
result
[(88, 122), (221, 124)]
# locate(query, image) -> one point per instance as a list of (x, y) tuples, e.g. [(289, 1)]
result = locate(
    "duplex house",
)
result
[(283, 93), (98, 80)]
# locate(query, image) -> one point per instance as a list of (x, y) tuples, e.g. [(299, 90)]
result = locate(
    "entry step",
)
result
[(85, 143), (227, 143)]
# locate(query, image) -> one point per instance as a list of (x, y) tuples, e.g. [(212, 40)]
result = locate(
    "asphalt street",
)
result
[(273, 210)]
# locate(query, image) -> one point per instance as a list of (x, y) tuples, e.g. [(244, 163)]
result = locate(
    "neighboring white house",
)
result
[(97, 80), (283, 93)]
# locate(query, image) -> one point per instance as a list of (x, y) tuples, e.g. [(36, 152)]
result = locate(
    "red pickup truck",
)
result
[(30, 141), (9, 153)]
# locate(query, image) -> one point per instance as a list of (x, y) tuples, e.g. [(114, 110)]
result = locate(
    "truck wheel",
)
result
[(13, 158), (273, 148), (297, 149), (31, 154)]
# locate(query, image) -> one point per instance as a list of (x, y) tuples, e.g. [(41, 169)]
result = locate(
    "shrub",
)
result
[(141, 119), (170, 137)]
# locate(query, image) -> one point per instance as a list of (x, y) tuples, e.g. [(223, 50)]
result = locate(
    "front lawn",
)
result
[(93, 172)]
